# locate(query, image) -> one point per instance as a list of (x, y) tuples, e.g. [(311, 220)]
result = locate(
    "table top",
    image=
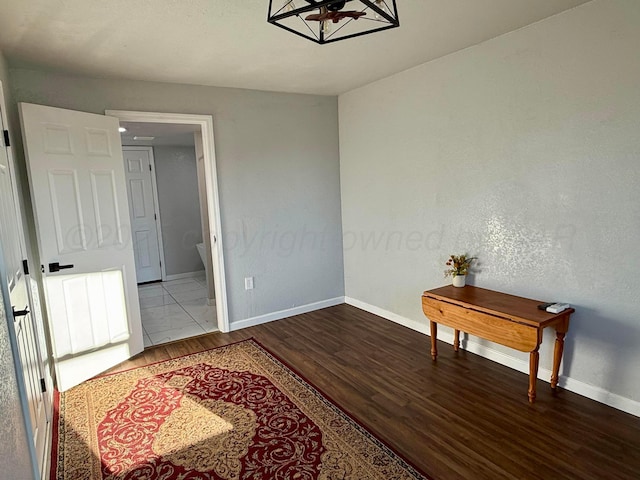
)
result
[(517, 309)]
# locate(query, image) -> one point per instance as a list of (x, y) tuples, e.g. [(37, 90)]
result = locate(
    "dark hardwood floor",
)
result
[(460, 417)]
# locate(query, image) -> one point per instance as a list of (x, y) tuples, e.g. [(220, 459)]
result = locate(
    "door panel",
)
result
[(136, 187), (94, 304), (67, 211), (142, 241), (57, 139), (79, 193), (98, 143), (142, 210), (106, 210)]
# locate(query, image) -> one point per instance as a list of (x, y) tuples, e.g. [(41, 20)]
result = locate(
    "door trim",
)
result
[(156, 204), (213, 201)]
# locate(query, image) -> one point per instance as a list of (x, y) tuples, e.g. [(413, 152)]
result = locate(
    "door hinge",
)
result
[(155, 216), (25, 267), (150, 168), (43, 385), (7, 143)]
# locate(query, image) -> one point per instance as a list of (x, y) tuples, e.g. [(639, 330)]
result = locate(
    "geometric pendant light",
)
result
[(326, 21)]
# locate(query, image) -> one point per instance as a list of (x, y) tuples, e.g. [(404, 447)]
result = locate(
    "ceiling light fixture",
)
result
[(143, 138), (122, 129), (326, 21)]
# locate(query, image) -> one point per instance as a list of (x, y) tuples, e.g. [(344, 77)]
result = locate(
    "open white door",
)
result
[(77, 181)]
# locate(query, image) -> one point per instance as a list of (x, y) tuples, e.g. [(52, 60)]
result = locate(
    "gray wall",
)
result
[(177, 179), (524, 151), (279, 175), (14, 453)]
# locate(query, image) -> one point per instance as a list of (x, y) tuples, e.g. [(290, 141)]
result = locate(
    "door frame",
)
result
[(156, 204), (205, 122)]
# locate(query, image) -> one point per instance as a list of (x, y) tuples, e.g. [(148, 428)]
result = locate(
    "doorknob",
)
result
[(56, 267), (20, 313)]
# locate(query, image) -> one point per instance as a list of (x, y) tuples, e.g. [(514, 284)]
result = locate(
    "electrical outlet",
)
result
[(248, 283)]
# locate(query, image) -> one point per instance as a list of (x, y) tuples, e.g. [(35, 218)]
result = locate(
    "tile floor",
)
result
[(175, 310)]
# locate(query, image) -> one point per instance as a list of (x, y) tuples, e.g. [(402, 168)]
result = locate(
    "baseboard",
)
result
[(590, 391), (179, 276), (290, 312)]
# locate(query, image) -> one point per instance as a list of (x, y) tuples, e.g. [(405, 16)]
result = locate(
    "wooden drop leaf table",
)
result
[(512, 321)]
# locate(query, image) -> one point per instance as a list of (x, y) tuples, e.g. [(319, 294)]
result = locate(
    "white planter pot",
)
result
[(459, 280)]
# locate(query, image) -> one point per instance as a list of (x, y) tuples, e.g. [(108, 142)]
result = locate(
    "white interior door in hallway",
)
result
[(143, 211), (78, 189)]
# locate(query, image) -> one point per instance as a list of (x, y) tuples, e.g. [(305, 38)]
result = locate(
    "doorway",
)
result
[(188, 297), (167, 231)]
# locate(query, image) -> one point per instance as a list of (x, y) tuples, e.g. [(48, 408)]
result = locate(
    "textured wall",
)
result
[(278, 170), (177, 178), (14, 453), (524, 151)]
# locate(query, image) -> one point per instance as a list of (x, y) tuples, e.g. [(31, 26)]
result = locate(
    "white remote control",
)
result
[(558, 307)]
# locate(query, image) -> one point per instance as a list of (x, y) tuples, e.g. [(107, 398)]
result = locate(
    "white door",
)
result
[(30, 359), (77, 183), (138, 169)]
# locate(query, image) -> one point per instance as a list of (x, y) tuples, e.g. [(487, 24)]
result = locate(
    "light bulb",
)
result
[(326, 27), (382, 5)]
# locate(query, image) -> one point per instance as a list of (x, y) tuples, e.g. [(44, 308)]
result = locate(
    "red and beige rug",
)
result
[(234, 412)]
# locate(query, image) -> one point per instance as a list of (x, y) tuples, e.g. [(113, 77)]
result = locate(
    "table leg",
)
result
[(557, 358), (434, 340), (456, 340), (534, 358)]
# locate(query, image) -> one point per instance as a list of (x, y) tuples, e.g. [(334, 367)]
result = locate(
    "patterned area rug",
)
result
[(234, 412)]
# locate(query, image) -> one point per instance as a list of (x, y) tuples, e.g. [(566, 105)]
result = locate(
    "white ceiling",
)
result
[(229, 43)]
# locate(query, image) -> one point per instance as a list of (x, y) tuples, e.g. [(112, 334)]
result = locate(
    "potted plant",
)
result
[(459, 267)]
